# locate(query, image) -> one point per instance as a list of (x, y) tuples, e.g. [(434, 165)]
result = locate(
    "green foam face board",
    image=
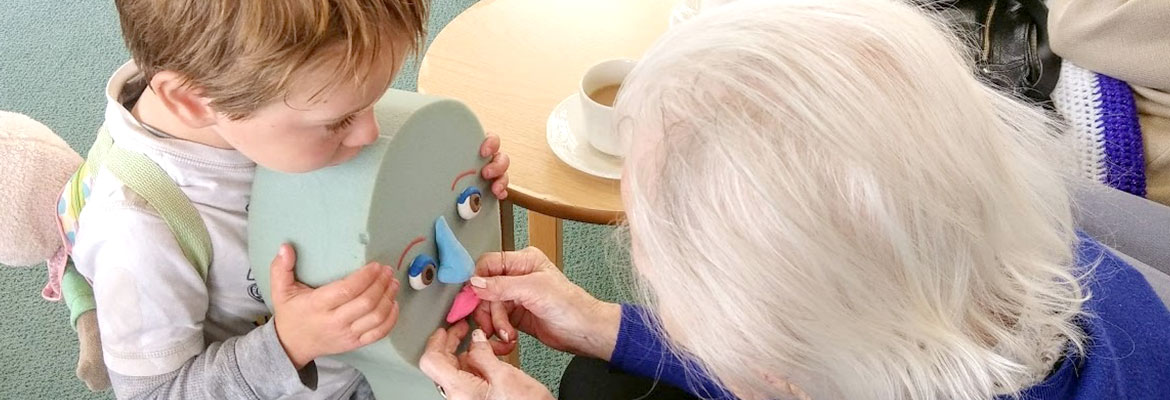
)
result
[(382, 206)]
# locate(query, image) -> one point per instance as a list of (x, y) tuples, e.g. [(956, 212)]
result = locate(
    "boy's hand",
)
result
[(496, 170), (341, 316)]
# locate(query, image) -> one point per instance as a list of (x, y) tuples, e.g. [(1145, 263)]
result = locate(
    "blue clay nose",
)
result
[(455, 264)]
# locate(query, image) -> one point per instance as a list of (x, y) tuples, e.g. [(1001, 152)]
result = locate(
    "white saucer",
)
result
[(568, 140), (681, 13)]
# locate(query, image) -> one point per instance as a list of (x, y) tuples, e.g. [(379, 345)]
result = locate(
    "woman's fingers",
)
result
[(481, 358), (440, 364), (455, 334), (524, 290), (467, 375), (483, 317), (437, 342), (503, 327), (436, 361), (521, 262), (455, 383), (502, 348)]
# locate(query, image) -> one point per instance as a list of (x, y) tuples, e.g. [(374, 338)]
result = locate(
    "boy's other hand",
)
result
[(496, 170), (338, 317)]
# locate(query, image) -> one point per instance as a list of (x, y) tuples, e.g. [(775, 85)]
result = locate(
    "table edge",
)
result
[(519, 195), (524, 199)]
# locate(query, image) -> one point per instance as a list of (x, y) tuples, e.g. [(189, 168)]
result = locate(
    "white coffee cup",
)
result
[(598, 119)]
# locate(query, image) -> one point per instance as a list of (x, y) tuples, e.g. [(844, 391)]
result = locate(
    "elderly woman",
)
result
[(824, 202)]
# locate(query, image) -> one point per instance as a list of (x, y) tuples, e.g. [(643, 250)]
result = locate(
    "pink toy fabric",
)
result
[(52, 290), (57, 264), (465, 303)]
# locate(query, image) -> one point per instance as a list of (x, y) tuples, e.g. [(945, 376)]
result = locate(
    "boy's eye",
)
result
[(339, 125), (468, 203), (422, 272)]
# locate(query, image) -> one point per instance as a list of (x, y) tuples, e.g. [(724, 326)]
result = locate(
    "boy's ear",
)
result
[(184, 101)]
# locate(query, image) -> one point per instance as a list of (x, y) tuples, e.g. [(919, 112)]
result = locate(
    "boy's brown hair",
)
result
[(242, 54)]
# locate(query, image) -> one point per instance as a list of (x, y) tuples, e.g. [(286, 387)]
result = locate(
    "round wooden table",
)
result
[(512, 62)]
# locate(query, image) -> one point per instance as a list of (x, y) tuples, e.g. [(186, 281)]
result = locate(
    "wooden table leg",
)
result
[(513, 357), (507, 226), (508, 238), (544, 233)]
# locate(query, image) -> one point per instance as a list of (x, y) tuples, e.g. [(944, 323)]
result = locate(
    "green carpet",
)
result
[(55, 58)]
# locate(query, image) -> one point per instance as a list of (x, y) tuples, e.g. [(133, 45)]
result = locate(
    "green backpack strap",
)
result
[(146, 179)]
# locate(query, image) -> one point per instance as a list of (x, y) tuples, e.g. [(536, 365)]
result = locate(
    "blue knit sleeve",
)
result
[(640, 350)]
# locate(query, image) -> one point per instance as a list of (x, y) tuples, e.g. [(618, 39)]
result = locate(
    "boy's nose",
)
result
[(364, 132)]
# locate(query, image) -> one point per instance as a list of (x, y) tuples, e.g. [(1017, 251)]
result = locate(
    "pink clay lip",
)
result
[(465, 303)]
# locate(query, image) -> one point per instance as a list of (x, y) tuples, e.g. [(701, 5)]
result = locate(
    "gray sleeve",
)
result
[(252, 366), (1137, 227)]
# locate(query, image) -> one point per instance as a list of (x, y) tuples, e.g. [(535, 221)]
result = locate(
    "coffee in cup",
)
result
[(606, 94), (599, 90)]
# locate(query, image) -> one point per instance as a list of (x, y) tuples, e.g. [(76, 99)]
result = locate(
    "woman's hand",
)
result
[(476, 374), (523, 289)]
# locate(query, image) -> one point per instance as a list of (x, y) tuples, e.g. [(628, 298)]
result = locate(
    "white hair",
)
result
[(821, 191)]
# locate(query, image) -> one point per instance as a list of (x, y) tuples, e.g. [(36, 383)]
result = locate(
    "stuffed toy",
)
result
[(37, 164)]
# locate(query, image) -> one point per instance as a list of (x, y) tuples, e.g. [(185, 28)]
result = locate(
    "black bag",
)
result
[(1010, 39)]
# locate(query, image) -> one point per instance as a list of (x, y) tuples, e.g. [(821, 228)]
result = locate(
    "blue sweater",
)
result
[(1128, 351)]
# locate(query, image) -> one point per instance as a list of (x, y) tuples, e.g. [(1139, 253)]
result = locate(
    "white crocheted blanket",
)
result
[(1103, 118)]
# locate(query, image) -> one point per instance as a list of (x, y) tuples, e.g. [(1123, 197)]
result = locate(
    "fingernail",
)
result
[(479, 282), (283, 251), (478, 336), (504, 335)]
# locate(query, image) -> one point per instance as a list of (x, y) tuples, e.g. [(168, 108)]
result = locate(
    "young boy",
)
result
[(215, 88)]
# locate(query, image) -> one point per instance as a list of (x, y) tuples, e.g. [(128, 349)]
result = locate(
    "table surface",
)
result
[(513, 61)]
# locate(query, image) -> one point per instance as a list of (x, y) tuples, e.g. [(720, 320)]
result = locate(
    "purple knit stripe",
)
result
[(1125, 167)]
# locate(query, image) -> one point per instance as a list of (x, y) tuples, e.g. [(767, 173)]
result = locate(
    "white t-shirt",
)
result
[(154, 310)]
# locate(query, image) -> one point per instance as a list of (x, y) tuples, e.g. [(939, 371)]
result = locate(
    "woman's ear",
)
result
[(185, 101)]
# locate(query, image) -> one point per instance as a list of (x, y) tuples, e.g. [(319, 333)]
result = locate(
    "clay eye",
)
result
[(469, 203), (422, 272)]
